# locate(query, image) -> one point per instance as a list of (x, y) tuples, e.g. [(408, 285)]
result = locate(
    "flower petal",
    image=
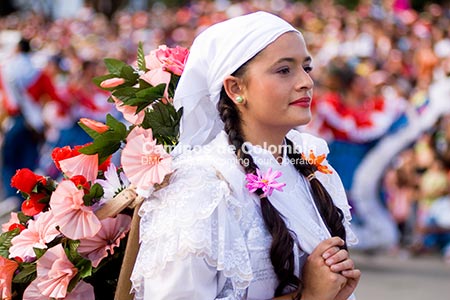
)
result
[(7, 269), (109, 236), (145, 163), (37, 235), (54, 272), (129, 112), (83, 291), (82, 164), (75, 219)]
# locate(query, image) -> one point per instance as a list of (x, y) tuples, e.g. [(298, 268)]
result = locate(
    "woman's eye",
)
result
[(285, 70), (307, 69)]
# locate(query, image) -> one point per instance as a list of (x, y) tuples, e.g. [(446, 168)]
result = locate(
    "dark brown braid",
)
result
[(331, 215), (282, 247)]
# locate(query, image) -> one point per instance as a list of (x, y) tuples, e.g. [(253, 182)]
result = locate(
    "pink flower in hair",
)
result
[(266, 182)]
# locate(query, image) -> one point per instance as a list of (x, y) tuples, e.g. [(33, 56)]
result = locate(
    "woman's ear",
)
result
[(233, 87)]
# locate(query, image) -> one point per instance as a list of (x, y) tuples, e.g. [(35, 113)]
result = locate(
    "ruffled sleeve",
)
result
[(194, 216), (332, 182)]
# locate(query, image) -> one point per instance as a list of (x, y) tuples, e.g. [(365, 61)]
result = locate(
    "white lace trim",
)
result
[(192, 215)]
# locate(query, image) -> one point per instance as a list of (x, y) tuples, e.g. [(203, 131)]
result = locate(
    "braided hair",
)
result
[(283, 240)]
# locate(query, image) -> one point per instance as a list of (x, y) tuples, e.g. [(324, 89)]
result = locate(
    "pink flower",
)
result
[(265, 182), (38, 234), (94, 125), (163, 62), (12, 220), (54, 272), (112, 82), (75, 219), (169, 59), (144, 162), (82, 164), (7, 269), (156, 77), (82, 291), (129, 112), (109, 236)]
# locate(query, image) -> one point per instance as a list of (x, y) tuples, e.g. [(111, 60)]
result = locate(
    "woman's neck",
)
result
[(268, 139)]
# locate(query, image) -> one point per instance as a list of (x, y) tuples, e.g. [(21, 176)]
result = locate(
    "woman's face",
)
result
[(277, 86)]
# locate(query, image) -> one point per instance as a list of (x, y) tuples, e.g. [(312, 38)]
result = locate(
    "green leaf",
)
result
[(70, 248), (104, 146), (95, 192), (144, 84), (83, 265), (141, 58), (5, 241), (126, 93), (116, 126), (164, 121), (108, 142), (146, 97), (26, 274), (114, 66), (155, 92), (172, 85), (39, 252), (140, 103), (129, 74), (22, 217)]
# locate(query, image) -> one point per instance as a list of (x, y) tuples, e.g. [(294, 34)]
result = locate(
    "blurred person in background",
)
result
[(354, 113), (27, 88)]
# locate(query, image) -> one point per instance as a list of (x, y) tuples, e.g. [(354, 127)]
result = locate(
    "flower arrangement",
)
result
[(69, 239)]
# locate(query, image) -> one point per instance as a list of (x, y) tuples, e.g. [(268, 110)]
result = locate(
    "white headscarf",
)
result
[(216, 53)]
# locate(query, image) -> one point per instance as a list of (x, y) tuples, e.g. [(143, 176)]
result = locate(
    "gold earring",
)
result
[(239, 99)]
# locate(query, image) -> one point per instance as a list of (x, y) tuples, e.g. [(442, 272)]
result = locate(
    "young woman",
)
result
[(247, 214)]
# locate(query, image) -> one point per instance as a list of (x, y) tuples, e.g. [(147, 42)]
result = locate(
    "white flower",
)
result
[(113, 184)]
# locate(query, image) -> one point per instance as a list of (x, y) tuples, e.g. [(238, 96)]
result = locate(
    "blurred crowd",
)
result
[(381, 70)]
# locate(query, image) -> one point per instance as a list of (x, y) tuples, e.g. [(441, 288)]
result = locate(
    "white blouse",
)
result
[(203, 236)]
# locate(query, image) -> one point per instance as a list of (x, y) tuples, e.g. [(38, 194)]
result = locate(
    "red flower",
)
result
[(104, 166), (59, 154), (32, 206), (16, 225), (81, 182), (25, 180)]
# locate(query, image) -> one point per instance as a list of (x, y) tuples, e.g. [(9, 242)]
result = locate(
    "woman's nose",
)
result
[(305, 81)]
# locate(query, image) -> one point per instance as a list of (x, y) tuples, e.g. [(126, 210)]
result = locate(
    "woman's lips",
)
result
[(302, 102)]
